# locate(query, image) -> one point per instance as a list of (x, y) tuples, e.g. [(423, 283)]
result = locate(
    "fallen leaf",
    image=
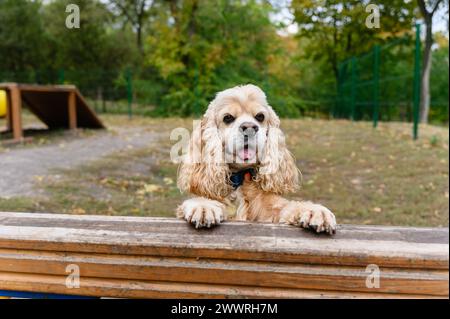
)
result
[(168, 180), (148, 189), (78, 211)]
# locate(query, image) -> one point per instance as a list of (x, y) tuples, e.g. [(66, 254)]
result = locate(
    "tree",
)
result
[(336, 29), (201, 47), (440, 80), (23, 43), (96, 45), (94, 56), (427, 10), (135, 12)]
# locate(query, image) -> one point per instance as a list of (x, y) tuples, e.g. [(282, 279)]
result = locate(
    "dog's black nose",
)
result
[(248, 128)]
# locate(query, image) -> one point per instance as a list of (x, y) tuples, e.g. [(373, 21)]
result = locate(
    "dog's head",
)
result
[(239, 130)]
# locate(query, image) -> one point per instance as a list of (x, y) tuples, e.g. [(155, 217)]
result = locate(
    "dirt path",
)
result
[(21, 167)]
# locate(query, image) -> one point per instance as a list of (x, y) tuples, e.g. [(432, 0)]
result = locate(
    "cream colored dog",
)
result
[(237, 157)]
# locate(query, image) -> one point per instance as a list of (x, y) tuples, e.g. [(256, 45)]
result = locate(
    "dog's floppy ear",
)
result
[(277, 172), (204, 171)]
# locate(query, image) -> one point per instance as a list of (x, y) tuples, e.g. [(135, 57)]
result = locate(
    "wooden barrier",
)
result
[(142, 257)]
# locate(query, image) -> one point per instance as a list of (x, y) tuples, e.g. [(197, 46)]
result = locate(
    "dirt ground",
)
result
[(365, 176), (21, 167)]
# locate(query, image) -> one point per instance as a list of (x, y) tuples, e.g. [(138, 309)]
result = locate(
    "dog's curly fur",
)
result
[(258, 199)]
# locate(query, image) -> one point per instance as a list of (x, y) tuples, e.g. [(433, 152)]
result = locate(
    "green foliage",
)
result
[(337, 29), (210, 46), (439, 84), (182, 52), (95, 45), (434, 140), (22, 42)]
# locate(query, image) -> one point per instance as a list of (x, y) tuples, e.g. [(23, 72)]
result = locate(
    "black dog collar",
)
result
[(237, 178)]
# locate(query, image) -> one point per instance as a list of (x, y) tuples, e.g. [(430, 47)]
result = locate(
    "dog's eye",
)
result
[(259, 117), (227, 119)]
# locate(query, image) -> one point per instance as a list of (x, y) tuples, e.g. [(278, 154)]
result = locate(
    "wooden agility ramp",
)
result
[(58, 106), (145, 257)]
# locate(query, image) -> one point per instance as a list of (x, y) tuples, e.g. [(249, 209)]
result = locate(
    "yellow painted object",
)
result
[(2, 103)]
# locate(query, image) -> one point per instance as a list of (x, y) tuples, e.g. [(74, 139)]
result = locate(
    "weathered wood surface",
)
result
[(163, 257)]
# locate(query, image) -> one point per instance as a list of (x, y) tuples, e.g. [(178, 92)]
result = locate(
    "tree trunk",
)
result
[(426, 70), (139, 38), (426, 63)]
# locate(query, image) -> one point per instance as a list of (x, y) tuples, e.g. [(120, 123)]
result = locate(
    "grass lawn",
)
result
[(364, 175)]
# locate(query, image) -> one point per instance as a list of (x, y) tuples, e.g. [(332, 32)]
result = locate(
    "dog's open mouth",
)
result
[(246, 153)]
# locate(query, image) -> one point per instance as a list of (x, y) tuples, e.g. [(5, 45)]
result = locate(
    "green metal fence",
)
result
[(380, 85), (383, 84)]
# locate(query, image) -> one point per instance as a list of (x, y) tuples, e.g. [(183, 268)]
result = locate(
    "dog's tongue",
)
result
[(246, 153)]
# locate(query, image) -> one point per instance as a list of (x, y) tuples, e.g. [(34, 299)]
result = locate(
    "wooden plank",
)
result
[(72, 110), (353, 245), (39, 88), (16, 113), (147, 289), (216, 271), (85, 107), (9, 124), (34, 109), (147, 256), (51, 106)]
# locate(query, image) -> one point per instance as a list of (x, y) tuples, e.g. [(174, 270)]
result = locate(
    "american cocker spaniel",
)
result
[(238, 163)]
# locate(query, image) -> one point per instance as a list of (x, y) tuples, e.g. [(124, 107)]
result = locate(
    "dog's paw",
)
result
[(309, 215), (201, 212)]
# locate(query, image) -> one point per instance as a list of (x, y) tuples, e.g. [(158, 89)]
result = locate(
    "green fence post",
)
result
[(416, 89), (129, 92), (376, 84), (353, 89), (61, 76), (338, 93)]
